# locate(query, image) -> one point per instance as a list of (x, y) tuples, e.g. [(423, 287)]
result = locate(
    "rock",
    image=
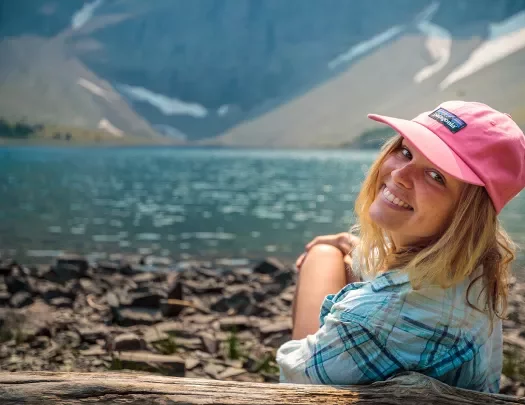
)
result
[(112, 300), (4, 298), (138, 316), (72, 262), (150, 300), (92, 333), (67, 338), (7, 266), (191, 363), (213, 370), (126, 342), (40, 342), (94, 350), (188, 343), (114, 266), (231, 372), (174, 286), (235, 322), (208, 287), (21, 299), (89, 287), (271, 326), (277, 341), (16, 283), (48, 290), (270, 265), (169, 327), (61, 302), (209, 342), (145, 361), (240, 302)]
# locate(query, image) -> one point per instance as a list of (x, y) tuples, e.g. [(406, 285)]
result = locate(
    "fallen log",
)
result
[(49, 388)]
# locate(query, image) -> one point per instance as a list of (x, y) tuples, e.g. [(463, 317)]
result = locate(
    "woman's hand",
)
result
[(344, 241)]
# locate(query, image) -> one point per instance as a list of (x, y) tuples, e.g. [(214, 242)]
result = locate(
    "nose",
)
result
[(403, 175)]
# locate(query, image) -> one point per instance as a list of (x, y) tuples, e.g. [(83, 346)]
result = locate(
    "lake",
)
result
[(181, 203)]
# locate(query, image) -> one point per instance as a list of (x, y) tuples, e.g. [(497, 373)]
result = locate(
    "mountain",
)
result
[(260, 72)]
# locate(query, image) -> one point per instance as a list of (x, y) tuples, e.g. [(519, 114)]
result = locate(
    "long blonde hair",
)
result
[(474, 237)]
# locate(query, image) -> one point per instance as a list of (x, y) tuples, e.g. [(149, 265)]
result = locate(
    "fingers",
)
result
[(299, 261)]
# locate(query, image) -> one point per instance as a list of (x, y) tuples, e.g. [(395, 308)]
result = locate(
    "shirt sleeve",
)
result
[(346, 350)]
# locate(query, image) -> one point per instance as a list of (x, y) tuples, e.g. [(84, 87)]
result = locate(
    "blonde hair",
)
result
[(474, 237)]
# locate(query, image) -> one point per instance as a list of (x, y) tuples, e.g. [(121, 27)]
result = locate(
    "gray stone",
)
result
[(138, 316), (166, 364), (269, 327), (231, 372), (213, 370), (4, 298), (191, 363), (209, 342), (126, 342), (89, 287), (270, 265), (150, 300), (48, 290), (21, 299), (235, 322), (61, 302), (92, 333)]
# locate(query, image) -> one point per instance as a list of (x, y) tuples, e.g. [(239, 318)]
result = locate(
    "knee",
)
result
[(327, 251)]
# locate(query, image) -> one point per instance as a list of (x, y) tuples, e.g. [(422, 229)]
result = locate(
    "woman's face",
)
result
[(415, 199)]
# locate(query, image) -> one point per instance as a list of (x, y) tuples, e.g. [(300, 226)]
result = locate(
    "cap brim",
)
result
[(432, 147)]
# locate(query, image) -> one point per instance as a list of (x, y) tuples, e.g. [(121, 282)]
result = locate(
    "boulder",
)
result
[(209, 342), (137, 316), (235, 322), (21, 299), (150, 300), (270, 265), (17, 283), (48, 290), (7, 266), (92, 333), (125, 342), (61, 302), (89, 287), (145, 361)]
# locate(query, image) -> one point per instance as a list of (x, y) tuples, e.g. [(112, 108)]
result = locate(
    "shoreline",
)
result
[(189, 319)]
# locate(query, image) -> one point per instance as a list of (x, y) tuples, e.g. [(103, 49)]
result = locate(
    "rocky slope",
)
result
[(202, 320)]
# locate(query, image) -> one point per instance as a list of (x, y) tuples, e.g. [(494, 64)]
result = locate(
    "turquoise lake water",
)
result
[(181, 203)]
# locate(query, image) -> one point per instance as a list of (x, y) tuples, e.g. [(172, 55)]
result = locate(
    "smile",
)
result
[(394, 200)]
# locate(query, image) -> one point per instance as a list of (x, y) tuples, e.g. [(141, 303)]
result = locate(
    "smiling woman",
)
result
[(427, 285)]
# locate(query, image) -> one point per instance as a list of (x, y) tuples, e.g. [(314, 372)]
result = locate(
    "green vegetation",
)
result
[(370, 139), (21, 132), (514, 363), (267, 365), (233, 345), (166, 346)]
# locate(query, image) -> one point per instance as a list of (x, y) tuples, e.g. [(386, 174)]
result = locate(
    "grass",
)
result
[(166, 346), (267, 365), (233, 345)]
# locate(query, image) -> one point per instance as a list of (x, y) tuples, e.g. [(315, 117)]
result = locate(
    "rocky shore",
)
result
[(222, 320)]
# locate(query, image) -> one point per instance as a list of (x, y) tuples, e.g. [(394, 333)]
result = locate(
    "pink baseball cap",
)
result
[(472, 142)]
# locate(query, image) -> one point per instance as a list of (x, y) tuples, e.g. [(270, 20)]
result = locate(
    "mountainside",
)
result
[(259, 72), (40, 83)]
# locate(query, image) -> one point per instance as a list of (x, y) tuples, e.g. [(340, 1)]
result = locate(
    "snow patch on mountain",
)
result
[(107, 126), (438, 43), (504, 39), (365, 46), (97, 90), (168, 105), (82, 16)]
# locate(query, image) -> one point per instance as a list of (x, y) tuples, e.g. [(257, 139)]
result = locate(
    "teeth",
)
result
[(392, 198)]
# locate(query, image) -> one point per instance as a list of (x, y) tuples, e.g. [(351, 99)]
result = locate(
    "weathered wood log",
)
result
[(48, 388)]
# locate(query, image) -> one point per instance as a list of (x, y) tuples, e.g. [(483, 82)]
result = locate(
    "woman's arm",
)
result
[(323, 272)]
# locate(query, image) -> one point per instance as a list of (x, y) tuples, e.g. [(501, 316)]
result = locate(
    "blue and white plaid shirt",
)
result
[(372, 330)]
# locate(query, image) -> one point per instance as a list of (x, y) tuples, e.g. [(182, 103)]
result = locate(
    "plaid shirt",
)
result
[(372, 330)]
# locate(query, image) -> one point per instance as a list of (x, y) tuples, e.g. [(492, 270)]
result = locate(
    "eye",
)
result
[(438, 177), (406, 153)]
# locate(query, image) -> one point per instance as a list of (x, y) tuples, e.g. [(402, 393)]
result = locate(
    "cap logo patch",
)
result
[(451, 121)]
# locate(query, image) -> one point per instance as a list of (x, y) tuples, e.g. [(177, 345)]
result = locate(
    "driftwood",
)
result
[(48, 388)]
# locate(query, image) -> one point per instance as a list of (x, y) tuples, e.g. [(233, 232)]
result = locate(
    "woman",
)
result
[(426, 286)]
